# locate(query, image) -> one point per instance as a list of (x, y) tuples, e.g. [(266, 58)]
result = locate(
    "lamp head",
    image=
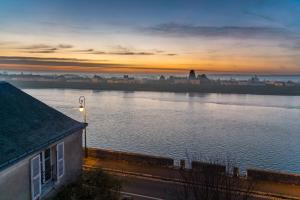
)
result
[(81, 108)]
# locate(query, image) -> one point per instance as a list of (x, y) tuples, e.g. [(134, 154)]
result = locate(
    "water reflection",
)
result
[(193, 94), (258, 131)]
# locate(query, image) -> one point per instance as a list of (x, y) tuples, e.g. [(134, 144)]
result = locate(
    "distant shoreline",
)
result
[(161, 87)]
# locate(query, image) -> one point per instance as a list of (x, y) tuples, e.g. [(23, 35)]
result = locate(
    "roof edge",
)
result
[(65, 134)]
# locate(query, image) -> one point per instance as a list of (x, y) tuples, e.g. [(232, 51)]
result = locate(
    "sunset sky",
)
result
[(151, 36)]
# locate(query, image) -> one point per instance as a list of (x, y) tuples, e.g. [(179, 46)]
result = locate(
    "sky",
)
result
[(151, 36)]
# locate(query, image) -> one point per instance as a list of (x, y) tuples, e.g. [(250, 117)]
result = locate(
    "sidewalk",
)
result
[(284, 190), (124, 166)]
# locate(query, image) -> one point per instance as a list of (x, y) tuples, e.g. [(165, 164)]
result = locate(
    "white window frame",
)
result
[(33, 178), (60, 161)]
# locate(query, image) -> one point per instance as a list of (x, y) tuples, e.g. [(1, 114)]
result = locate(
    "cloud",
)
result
[(37, 46), (261, 16), (171, 54), (132, 53), (242, 32), (7, 43), (123, 51), (44, 48), (52, 62), (117, 50), (43, 51), (81, 65), (294, 46), (65, 46), (75, 28), (83, 50), (42, 59)]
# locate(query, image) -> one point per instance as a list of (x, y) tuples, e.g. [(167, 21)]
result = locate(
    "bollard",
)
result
[(236, 171), (182, 164)]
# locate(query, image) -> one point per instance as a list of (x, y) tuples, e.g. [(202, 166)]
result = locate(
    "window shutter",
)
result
[(60, 160), (35, 177)]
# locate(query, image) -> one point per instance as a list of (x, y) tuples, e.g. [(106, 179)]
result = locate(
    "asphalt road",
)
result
[(140, 188), (143, 186), (149, 189)]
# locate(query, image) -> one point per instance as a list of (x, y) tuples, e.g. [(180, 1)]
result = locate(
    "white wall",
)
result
[(15, 181)]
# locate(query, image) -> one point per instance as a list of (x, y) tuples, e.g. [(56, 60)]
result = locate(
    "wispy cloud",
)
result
[(243, 32), (44, 48), (53, 50), (295, 46), (81, 65), (36, 46), (260, 16), (73, 28), (171, 54), (7, 43), (83, 50), (50, 59), (17, 60), (124, 51), (65, 46)]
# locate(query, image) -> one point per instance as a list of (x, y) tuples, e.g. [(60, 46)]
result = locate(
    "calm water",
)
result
[(253, 130)]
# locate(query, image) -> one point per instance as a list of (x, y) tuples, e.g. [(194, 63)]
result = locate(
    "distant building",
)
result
[(203, 79), (194, 82), (40, 148), (97, 79), (255, 81), (278, 84), (125, 80), (61, 78), (192, 75), (290, 84), (178, 80), (162, 78)]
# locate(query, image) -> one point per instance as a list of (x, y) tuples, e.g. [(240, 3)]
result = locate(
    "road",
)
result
[(141, 188), (148, 182)]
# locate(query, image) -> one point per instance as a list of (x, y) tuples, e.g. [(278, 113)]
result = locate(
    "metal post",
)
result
[(85, 146), (82, 105)]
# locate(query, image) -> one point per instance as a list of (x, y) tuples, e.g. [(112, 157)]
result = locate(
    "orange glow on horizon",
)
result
[(161, 63)]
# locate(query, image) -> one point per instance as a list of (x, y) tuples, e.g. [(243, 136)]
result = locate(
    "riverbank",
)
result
[(130, 164), (159, 86), (168, 163)]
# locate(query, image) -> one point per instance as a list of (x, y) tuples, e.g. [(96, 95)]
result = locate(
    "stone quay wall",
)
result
[(209, 167), (137, 158), (273, 176), (131, 157)]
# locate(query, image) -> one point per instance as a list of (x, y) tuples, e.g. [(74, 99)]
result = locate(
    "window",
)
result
[(46, 166), (60, 160), (35, 177)]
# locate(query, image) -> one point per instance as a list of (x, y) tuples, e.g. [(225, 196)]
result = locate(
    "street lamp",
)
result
[(82, 109)]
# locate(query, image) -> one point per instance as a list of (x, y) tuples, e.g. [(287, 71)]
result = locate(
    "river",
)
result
[(250, 130)]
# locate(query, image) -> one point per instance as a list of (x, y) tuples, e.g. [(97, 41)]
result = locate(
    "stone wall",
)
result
[(208, 167), (278, 177), (255, 174), (130, 157)]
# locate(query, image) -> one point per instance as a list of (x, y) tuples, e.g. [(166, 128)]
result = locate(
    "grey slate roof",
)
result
[(28, 125)]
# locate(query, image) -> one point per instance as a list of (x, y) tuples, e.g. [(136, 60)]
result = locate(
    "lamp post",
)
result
[(82, 108)]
